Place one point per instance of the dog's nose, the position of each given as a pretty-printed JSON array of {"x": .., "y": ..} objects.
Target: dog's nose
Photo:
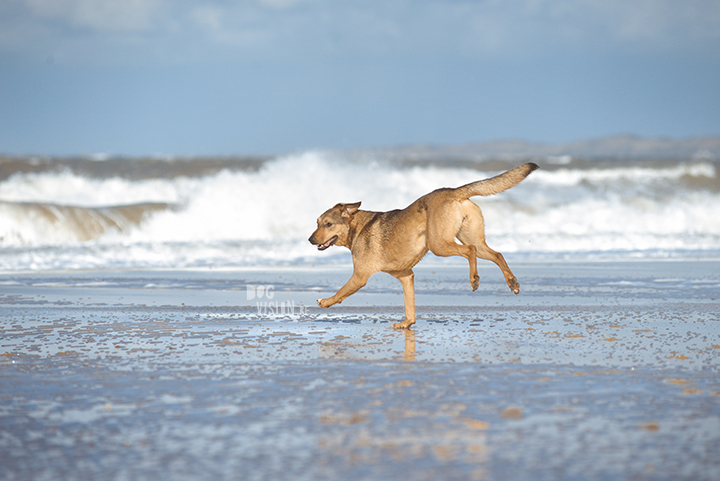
[{"x": 312, "y": 240}]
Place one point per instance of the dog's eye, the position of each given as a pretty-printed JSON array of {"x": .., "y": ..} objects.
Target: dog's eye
[{"x": 328, "y": 224}]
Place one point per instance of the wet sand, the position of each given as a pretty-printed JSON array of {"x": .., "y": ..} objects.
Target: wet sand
[{"x": 607, "y": 370}]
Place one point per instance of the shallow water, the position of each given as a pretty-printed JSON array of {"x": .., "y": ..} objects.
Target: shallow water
[{"x": 596, "y": 371}]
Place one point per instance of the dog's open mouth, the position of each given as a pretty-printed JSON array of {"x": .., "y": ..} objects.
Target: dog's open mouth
[{"x": 324, "y": 246}]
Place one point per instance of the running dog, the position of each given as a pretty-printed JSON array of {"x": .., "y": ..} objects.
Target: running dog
[{"x": 395, "y": 241}]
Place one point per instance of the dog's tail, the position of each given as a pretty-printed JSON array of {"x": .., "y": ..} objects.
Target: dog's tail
[{"x": 496, "y": 184}]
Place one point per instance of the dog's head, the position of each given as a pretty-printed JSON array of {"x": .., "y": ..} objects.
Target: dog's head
[{"x": 334, "y": 226}]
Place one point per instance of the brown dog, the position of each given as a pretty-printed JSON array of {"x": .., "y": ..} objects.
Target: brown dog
[{"x": 395, "y": 241}]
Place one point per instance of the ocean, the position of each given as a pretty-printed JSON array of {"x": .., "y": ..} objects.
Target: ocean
[{"x": 233, "y": 212}]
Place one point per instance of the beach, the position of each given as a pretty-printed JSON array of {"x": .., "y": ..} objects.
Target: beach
[
  {"x": 604, "y": 369},
  {"x": 184, "y": 184},
  {"x": 158, "y": 319}
]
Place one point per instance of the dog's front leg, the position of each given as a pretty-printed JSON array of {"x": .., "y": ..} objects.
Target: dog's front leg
[
  {"x": 407, "y": 279},
  {"x": 350, "y": 288}
]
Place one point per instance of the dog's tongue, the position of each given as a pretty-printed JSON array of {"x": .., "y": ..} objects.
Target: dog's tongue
[{"x": 324, "y": 246}]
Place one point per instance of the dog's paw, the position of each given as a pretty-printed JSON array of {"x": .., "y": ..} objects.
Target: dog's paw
[
  {"x": 475, "y": 282},
  {"x": 324, "y": 303},
  {"x": 403, "y": 325},
  {"x": 514, "y": 286}
]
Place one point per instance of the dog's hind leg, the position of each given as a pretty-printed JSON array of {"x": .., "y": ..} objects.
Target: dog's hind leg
[
  {"x": 472, "y": 232},
  {"x": 442, "y": 228},
  {"x": 406, "y": 278},
  {"x": 469, "y": 252},
  {"x": 484, "y": 252}
]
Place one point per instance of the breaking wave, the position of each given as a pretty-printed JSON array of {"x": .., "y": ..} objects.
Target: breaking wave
[{"x": 96, "y": 214}]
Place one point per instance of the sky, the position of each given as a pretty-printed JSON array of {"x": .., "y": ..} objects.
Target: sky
[{"x": 244, "y": 77}]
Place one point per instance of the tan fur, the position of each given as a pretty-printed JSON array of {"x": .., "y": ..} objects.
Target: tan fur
[{"x": 395, "y": 241}]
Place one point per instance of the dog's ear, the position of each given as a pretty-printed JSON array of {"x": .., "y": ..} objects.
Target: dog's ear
[{"x": 349, "y": 209}]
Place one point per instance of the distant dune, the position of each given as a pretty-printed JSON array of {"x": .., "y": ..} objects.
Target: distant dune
[
  {"x": 614, "y": 146},
  {"x": 504, "y": 150}
]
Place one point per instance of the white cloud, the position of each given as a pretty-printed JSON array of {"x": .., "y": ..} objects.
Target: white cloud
[
  {"x": 659, "y": 23},
  {"x": 100, "y": 15},
  {"x": 201, "y": 29},
  {"x": 497, "y": 27},
  {"x": 279, "y": 3}
]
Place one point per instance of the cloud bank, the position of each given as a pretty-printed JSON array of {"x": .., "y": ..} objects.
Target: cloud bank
[{"x": 190, "y": 31}]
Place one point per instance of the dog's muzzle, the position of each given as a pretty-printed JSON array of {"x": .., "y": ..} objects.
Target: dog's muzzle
[{"x": 322, "y": 247}]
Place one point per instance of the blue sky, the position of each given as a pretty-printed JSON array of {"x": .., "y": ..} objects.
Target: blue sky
[{"x": 180, "y": 77}]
